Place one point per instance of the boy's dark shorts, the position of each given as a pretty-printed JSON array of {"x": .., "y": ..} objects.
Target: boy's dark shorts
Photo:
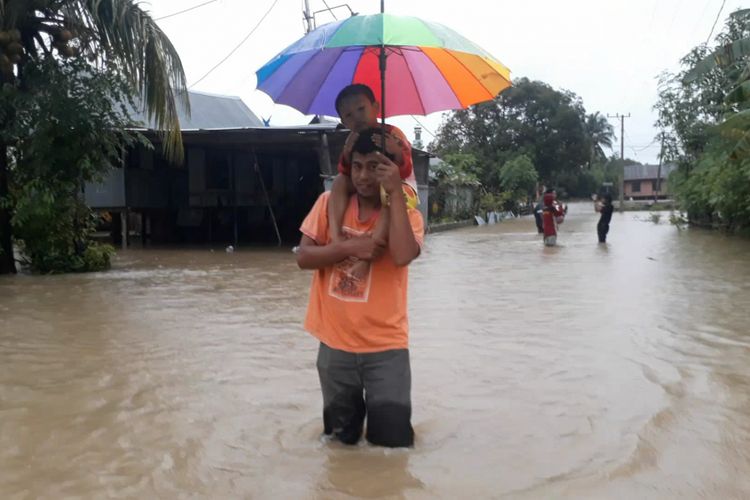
[{"x": 373, "y": 385}]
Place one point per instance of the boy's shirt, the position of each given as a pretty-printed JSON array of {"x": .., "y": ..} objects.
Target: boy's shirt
[
  {"x": 367, "y": 314},
  {"x": 406, "y": 170}
]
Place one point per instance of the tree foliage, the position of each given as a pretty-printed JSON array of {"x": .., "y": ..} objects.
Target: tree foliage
[
  {"x": 704, "y": 112},
  {"x": 66, "y": 132},
  {"x": 550, "y": 127},
  {"x": 115, "y": 42}
]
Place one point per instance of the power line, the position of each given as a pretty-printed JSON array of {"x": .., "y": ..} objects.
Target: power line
[
  {"x": 423, "y": 127},
  {"x": 186, "y": 10},
  {"x": 329, "y": 10},
  {"x": 237, "y": 46},
  {"x": 637, "y": 147},
  {"x": 715, "y": 21}
]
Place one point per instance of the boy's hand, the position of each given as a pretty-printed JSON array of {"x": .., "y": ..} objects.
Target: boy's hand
[
  {"x": 349, "y": 144},
  {"x": 388, "y": 174},
  {"x": 393, "y": 144},
  {"x": 366, "y": 247}
]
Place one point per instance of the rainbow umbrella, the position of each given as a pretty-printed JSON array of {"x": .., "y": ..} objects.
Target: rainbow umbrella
[{"x": 430, "y": 67}]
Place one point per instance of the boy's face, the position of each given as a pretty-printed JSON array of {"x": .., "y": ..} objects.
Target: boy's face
[
  {"x": 363, "y": 174},
  {"x": 357, "y": 113}
]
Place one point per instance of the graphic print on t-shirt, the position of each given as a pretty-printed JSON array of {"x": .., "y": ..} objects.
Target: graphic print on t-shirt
[{"x": 350, "y": 279}]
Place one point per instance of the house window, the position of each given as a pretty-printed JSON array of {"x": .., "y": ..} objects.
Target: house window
[
  {"x": 217, "y": 169},
  {"x": 635, "y": 186}
]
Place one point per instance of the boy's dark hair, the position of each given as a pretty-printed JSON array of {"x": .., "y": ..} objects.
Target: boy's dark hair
[
  {"x": 608, "y": 199},
  {"x": 364, "y": 144},
  {"x": 549, "y": 190},
  {"x": 352, "y": 90}
]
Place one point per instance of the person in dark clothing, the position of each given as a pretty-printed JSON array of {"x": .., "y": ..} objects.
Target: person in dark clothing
[
  {"x": 605, "y": 208},
  {"x": 538, "y": 208}
]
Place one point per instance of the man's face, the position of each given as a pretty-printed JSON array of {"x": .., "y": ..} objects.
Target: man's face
[
  {"x": 357, "y": 113},
  {"x": 363, "y": 174}
]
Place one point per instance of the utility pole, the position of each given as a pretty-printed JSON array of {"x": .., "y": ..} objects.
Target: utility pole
[
  {"x": 658, "y": 172},
  {"x": 308, "y": 17},
  {"x": 418, "y": 138},
  {"x": 622, "y": 156}
]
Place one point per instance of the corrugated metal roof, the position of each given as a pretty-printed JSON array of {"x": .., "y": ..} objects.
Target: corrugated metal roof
[
  {"x": 635, "y": 172},
  {"x": 209, "y": 111}
]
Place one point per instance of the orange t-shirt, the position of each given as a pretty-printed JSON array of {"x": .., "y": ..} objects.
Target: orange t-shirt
[{"x": 365, "y": 313}]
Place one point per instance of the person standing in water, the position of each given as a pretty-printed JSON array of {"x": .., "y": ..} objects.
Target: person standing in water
[
  {"x": 605, "y": 209},
  {"x": 360, "y": 318},
  {"x": 552, "y": 215}
]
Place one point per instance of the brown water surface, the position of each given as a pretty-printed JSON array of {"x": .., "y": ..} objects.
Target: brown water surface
[{"x": 582, "y": 371}]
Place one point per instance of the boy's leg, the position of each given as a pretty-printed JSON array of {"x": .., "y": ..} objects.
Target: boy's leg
[
  {"x": 387, "y": 379},
  {"x": 341, "y": 190},
  {"x": 343, "y": 405}
]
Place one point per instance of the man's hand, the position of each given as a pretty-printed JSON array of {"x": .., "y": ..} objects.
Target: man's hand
[
  {"x": 388, "y": 175},
  {"x": 365, "y": 247}
]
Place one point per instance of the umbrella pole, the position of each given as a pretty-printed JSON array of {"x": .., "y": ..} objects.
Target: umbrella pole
[
  {"x": 383, "y": 195},
  {"x": 382, "y": 75}
]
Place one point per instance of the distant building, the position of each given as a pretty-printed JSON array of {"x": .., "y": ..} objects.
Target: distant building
[{"x": 643, "y": 181}]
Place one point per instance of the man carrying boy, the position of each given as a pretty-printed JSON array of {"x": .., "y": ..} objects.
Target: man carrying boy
[
  {"x": 361, "y": 322},
  {"x": 358, "y": 110}
]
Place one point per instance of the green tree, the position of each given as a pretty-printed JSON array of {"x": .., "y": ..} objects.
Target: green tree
[
  {"x": 71, "y": 135},
  {"x": 518, "y": 177},
  {"x": 456, "y": 169},
  {"x": 600, "y": 135},
  {"x": 704, "y": 111},
  {"x": 530, "y": 118},
  {"x": 113, "y": 34}
]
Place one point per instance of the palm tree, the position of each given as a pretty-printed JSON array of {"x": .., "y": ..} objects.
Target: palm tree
[
  {"x": 116, "y": 34},
  {"x": 600, "y": 135}
]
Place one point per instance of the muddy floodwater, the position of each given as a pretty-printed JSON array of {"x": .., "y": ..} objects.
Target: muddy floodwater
[{"x": 581, "y": 371}]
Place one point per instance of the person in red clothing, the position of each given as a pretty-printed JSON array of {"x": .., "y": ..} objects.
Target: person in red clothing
[
  {"x": 358, "y": 110},
  {"x": 552, "y": 215}
]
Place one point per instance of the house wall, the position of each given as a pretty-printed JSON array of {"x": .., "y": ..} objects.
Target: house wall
[
  {"x": 217, "y": 195},
  {"x": 647, "y": 188}
]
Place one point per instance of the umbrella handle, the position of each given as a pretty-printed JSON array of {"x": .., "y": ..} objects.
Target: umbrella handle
[{"x": 385, "y": 200}]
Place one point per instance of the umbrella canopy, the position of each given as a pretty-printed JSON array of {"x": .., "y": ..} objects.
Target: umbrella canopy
[{"x": 429, "y": 67}]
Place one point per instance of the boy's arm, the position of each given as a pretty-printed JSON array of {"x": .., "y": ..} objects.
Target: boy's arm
[
  {"x": 401, "y": 240},
  {"x": 397, "y": 145},
  {"x": 403, "y": 156},
  {"x": 310, "y": 255},
  {"x": 341, "y": 191}
]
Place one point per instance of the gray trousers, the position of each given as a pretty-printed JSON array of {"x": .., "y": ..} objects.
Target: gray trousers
[{"x": 372, "y": 385}]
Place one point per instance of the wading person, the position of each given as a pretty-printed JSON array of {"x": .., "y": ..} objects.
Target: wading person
[
  {"x": 552, "y": 215},
  {"x": 605, "y": 208},
  {"x": 358, "y": 313}
]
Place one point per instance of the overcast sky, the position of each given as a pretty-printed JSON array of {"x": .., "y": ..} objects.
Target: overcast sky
[{"x": 608, "y": 52}]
